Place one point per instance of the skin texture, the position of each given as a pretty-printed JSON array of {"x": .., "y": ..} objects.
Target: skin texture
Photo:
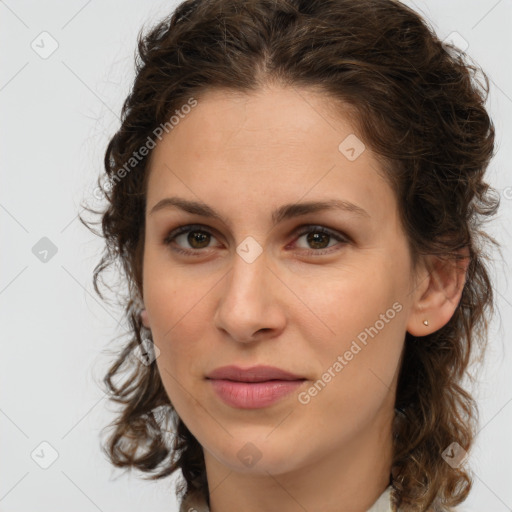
[{"x": 245, "y": 155}]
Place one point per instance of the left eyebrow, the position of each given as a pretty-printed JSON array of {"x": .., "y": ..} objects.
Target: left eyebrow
[{"x": 284, "y": 212}]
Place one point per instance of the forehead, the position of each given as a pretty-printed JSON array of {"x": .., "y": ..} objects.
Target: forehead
[{"x": 275, "y": 146}]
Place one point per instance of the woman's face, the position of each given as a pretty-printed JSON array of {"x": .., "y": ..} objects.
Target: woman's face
[{"x": 255, "y": 287}]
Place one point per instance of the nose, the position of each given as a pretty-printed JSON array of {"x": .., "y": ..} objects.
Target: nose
[{"x": 250, "y": 304}]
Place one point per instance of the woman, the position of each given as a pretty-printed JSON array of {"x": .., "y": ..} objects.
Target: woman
[{"x": 295, "y": 197}]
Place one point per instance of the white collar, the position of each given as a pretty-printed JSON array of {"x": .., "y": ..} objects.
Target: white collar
[{"x": 383, "y": 504}]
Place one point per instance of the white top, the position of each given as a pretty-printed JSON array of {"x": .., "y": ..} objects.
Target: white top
[{"x": 383, "y": 504}]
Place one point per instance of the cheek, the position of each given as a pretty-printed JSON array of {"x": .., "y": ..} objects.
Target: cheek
[
  {"x": 177, "y": 314},
  {"x": 179, "y": 320},
  {"x": 347, "y": 300},
  {"x": 357, "y": 367},
  {"x": 363, "y": 322}
]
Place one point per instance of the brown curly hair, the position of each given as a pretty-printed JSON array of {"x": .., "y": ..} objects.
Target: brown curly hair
[{"x": 419, "y": 104}]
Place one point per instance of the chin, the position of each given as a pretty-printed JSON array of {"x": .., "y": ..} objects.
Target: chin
[{"x": 258, "y": 457}]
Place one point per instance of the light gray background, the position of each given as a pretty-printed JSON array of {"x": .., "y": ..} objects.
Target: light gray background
[{"x": 57, "y": 115}]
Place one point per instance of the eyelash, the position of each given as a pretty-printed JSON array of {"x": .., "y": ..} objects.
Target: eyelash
[{"x": 303, "y": 230}]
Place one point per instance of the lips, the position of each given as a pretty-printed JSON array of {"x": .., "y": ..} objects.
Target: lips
[
  {"x": 253, "y": 374},
  {"x": 254, "y": 387}
]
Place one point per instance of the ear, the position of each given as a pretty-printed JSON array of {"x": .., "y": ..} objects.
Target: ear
[
  {"x": 438, "y": 293},
  {"x": 145, "y": 319}
]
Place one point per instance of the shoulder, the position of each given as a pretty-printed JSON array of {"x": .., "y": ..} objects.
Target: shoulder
[{"x": 193, "y": 503}]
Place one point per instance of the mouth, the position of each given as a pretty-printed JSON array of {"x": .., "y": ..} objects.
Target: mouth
[
  {"x": 254, "y": 387},
  {"x": 257, "y": 381},
  {"x": 253, "y": 374}
]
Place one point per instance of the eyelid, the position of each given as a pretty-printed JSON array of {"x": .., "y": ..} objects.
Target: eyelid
[
  {"x": 185, "y": 228},
  {"x": 306, "y": 228}
]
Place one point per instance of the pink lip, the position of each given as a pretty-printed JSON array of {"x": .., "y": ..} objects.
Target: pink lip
[
  {"x": 259, "y": 373},
  {"x": 253, "y": 395},
  {"x": 252, "y": 388}
]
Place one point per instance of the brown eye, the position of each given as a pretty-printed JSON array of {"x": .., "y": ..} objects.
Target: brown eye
[
  {"x": 196, "y": 237},
  {"x": 318, "y": 239},
  {"x": 201, "y": 238}
]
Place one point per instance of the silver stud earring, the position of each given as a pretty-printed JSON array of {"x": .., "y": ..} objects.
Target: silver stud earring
[{"x": 425, "y": 322}]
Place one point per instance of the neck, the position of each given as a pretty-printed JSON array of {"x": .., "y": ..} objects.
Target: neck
[{"x": 351, "y": 477}]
